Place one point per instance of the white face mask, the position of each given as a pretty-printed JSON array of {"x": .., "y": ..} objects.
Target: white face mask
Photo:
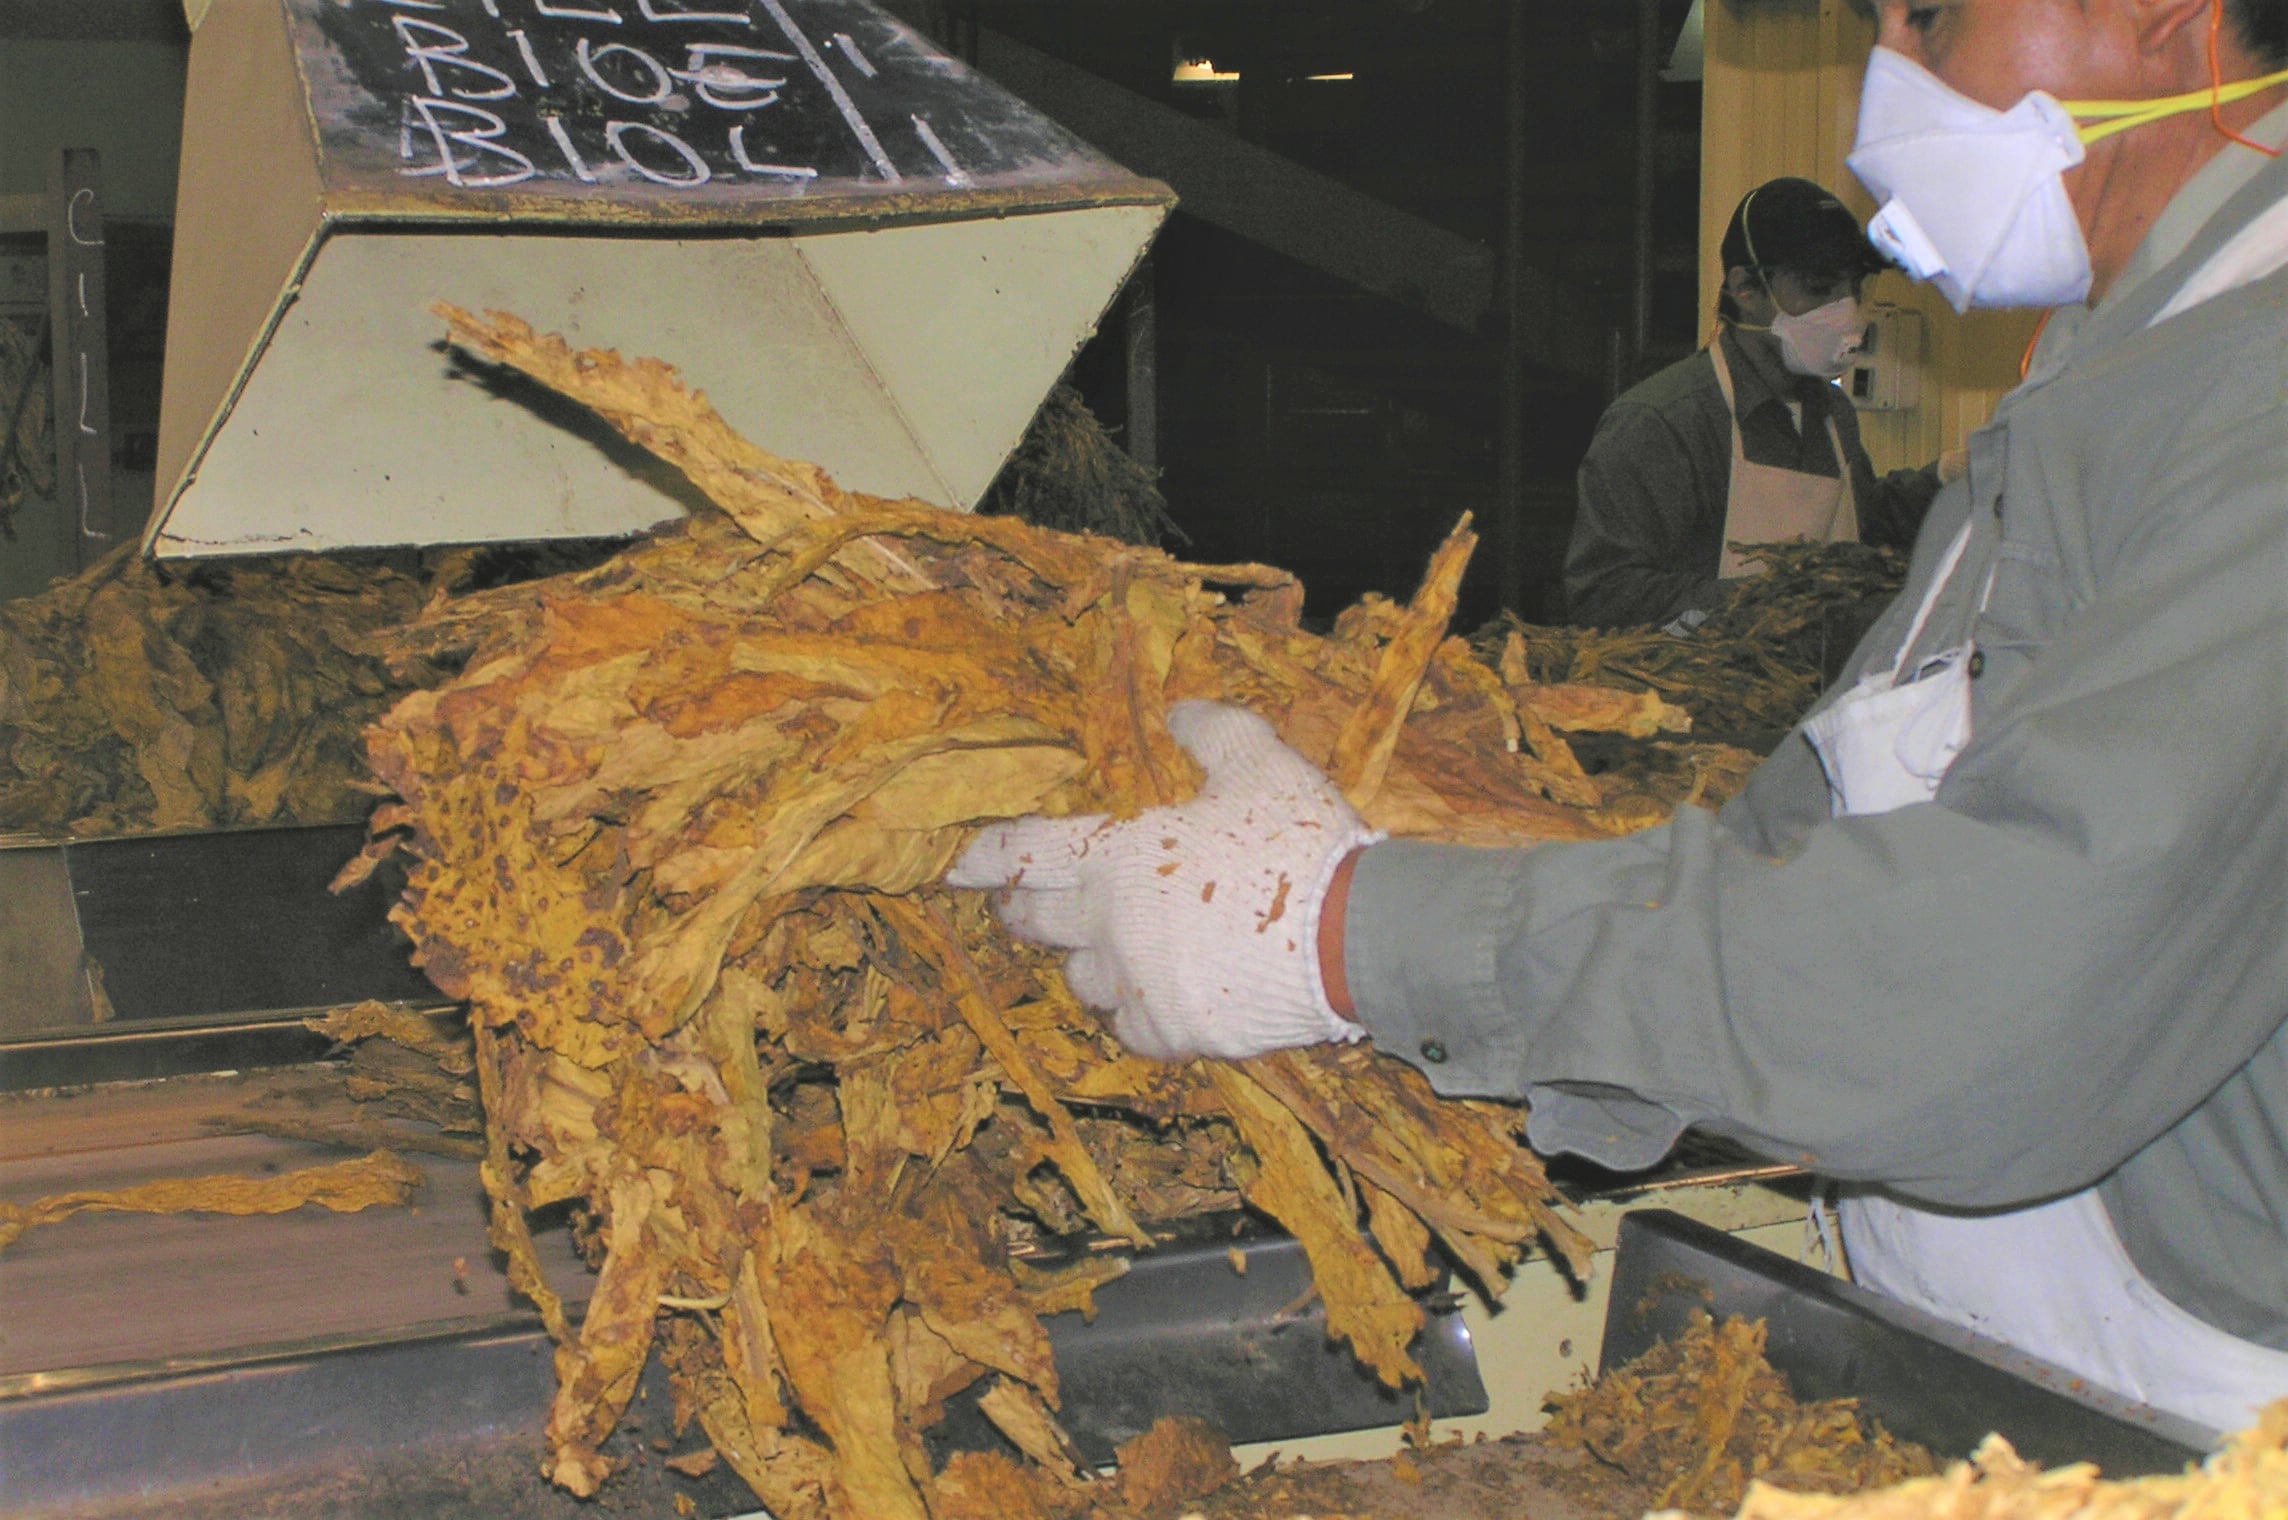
[
  {"x": 1823, "y": 341},
  {"x": 1971, "y": 196}
]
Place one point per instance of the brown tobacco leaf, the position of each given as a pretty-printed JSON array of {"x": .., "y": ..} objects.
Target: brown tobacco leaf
[
  {"x": 138, "y": 696},
  {"x": 1699, "y": 1417},
  {"x": 346, "y": 1187},
  {"x": 674, "y": 832},
  {"x": 1176, "y": 1462},
  {"x": 1364, "y": 1305},
  {"x": 400, "y": 1026},
  {"x": 2247, "y": 1477}
]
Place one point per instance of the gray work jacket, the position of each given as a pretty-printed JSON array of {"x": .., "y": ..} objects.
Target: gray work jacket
[{"x": 2072, "y": 965}]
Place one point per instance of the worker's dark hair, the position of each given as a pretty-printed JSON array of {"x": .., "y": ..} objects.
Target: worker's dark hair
[
  {"x": 2263, "y": 28},
  {"x": 1795, "y": 225}
]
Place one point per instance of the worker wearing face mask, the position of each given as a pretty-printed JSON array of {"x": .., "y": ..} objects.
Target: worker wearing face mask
[
  {"x": 1999, "y": 939},
  {"x": 1747, "y": 441}
]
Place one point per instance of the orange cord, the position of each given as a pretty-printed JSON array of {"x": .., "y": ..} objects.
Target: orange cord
[
  {"x": 2216, "y": 105},
  {"x": 2026, "y": 360}
]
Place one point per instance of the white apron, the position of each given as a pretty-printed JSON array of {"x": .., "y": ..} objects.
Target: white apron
[
  {"x": 2053, "y": 1280},
  {"x": 1764, "y": 504}
]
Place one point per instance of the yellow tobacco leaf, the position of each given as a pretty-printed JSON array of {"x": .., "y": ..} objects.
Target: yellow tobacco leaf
[
  {"x": 1364, "y": 1305},
  {"x": 1580, "y": 709},
  {"x": 1363, "y": 750},
  {"x": 596, "y": 1375},
  {"x": 1072, "y": 1158},
  {"x": 829, "y": 1295},
  {"x": 1018, "y": 1413},
  {"x": 953, "y": 1273},
  {"x": 346, "y": 1187},
  {"x": 402, "y": 1026},
  {"x": 1404, "y": 1239}
]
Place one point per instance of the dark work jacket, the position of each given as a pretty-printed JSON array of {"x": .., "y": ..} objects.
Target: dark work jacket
[{"x": 1653, "y": 489}]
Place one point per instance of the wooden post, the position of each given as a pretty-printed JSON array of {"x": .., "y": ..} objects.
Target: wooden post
[
  {"x": 79, "y": 338},
  {"x": 1143, "y": 344}
]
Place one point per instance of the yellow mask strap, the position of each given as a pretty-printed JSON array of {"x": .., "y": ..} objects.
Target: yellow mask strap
[{"x": 2112, "y": 116}]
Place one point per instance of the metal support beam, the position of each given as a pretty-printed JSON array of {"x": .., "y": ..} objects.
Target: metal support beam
[
  {"x": 1143, "y": 344},
  {"x": 1315, "y": 220}
]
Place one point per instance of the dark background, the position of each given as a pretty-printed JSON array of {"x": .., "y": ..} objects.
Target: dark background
[{"x": 1304, "y": 420}]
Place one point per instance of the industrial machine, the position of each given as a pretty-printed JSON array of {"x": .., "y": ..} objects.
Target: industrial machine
[{"x": 868, "y": 256}]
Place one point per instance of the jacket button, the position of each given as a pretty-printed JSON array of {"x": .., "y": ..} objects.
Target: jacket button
[
  {"x": 1977, "y": 663},
  {"x": 1433, "y": 1052}
]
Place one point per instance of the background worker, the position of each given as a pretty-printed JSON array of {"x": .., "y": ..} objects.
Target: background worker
[
  {"x": 1748, "y": 440},
  {"x": 2002, "y": 939}
]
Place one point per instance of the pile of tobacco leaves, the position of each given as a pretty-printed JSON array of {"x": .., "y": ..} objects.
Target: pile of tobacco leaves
[
  {"x": 1753, "y": 668},
  {"x": 27, "y": 436},
  {"x": 1687, "y": 1427},
  {"x": 2246, "y": 1479},
  {"x": 1699, "y": 1418},
  {"x": 1068, "y": 472},
  {"x": 676, "y": 831},
  {"x": 138, "y": 697}
]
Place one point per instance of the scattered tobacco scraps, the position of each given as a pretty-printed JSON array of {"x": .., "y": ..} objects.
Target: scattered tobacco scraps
[
  {"x": 676, "y": 832},
  {"x": 378, "y": 1180},
  {"x": 2247, "y": 1479},
  {"x": 1699, "y": 1418}
]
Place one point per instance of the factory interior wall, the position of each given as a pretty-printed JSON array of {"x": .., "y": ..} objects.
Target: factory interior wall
[
  {"x": 100, "y": 95},
  {"x": 124, "y": 98},
  {"x": 1781, "y": 96}
]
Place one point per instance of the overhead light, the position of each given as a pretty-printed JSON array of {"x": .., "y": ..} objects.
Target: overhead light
[
  {"x": 1330, "y": 78},
  {"x": 1203, "y": 71}
]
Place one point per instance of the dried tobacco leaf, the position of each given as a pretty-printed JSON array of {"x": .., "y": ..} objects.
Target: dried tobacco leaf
[
  {"x": 1751, "y": 670},
  {"x": 1700, "y": 1417},
  {"x": 2246, "y": 1479},
  {"x": 676, "y": 829},
  {"x": 136, "y": 696},
  {"x": 346, "y": 1187}
]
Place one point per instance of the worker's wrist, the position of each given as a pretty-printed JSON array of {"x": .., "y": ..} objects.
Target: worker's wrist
[{"x": 1333, "y": 909}]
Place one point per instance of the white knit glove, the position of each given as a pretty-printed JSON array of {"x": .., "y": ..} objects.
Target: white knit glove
[{"x": 1198, "y": 924}]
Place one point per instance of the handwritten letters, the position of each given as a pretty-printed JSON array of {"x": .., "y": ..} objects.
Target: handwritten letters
[{"x": 677, "y": 94}]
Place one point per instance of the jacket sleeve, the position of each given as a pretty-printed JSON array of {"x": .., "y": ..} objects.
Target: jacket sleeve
[
  {"x": 1632, "y": 558},
  {"x": 1987, "y": 999},
  {"x": 1892, "y": 505},
  {"x": 1897, "y": 503}
]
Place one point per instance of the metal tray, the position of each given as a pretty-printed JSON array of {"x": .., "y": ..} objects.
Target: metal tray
[
  {"x": 1925, "y": 1379},
  {"x": 445, "y": 1424}
]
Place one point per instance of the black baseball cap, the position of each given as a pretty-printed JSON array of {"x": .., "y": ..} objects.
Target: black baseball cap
[{"x": 1794, "y": 224}]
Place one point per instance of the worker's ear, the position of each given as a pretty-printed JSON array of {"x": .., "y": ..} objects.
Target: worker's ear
[
  {"x": 1740, "y": 281},
  {"x": 2162, "y": 25}
]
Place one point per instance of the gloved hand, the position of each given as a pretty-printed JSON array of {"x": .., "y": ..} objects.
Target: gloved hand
[{"x": 1196, "y": 925}]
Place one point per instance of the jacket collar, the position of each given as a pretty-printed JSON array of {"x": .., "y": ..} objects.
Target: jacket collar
[{"x": 1758, "y": 377}]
